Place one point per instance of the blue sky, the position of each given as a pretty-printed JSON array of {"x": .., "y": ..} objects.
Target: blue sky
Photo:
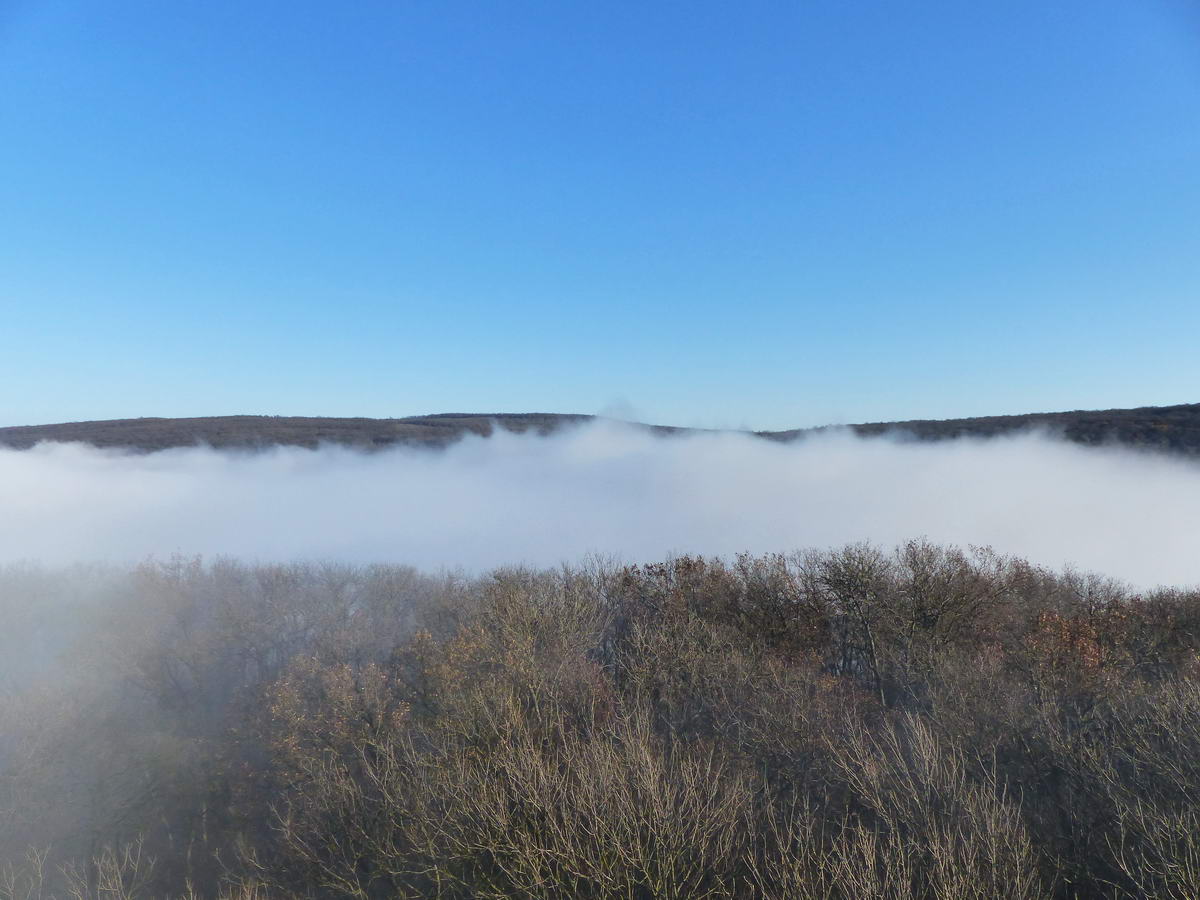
[{"x": 754, "y": 214}]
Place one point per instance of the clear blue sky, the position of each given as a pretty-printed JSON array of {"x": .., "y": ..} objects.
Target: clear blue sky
[{"x": 762, "y": 214}]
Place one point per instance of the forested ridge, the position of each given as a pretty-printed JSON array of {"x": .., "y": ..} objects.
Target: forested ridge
[{"x": 1173, "y": 429}]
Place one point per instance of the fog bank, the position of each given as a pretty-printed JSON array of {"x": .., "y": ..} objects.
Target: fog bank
[{"x": 607, "y": 489}]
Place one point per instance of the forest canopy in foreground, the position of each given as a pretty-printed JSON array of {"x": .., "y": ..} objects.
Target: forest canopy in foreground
[{"x": 923, "y": 722}]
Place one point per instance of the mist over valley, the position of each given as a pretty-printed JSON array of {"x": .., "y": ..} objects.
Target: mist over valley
[{"x": 559, "y": 490}]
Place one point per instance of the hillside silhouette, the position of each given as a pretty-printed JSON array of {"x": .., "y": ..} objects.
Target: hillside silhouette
[{"x": 1174, "y": 429}]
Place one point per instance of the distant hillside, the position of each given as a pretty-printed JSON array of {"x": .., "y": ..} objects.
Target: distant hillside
[
  {"x": 1174, "y": 429},
  {"x": 250, "y": 432}
]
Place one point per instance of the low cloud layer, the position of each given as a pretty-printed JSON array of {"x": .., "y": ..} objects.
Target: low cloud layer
[{"x": 606, "y": 489}]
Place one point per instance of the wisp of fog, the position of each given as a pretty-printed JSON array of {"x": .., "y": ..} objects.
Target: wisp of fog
[{"x": 606, "y": 489}]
